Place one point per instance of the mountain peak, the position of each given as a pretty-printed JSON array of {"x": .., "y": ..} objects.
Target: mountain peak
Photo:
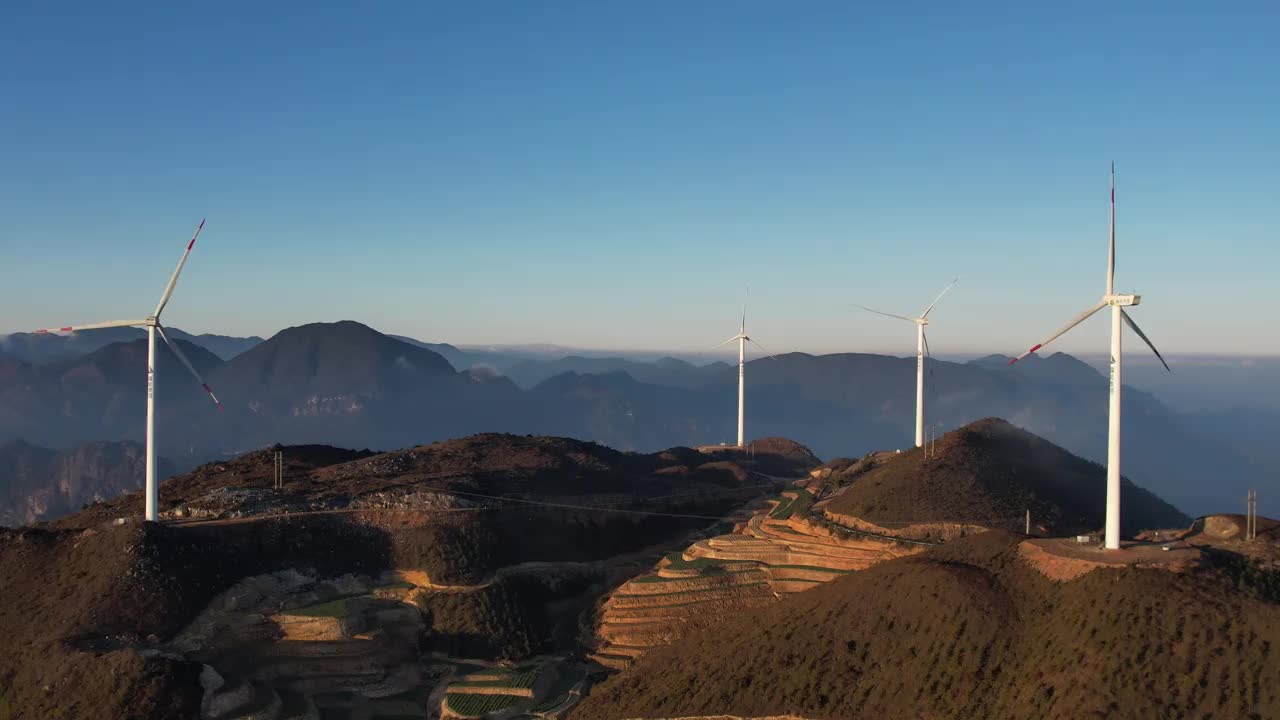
[
  {"x": 327, "y": 362},
  {"x": 992, "y": 472}
]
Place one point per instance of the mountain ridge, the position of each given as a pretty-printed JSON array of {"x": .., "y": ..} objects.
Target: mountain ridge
[
  {"x": 340, "y": 383},
  {"x": 989, "y": 472},
  {"x": 42, "y": 347}
]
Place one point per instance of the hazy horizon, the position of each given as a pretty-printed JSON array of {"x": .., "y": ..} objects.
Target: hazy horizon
[
  {"x": 1200, "y": 382},
  {"x": 553, "y": 347}
]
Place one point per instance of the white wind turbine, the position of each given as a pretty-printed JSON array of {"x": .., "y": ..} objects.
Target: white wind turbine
[
  {"x": 922, "y": 349},
  {"x": 742, "y": 339},
  {"x": 152, "y": 324},
  {"x": 1117, "y": 302}
]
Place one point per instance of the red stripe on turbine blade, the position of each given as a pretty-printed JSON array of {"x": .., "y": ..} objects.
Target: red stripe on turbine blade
[
  {"x": 65, "y": 329},
  {"x": 212, "y": 396},
  {"x": 193, "y": 237},
  {"x": 1037, "y": 347},
  {"x": 41, "y": 332}
]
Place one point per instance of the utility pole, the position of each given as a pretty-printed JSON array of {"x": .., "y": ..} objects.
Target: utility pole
[
  {"x": 1251, "y": 516},
  {"x": 278, "y": 479},
  {"x": 1028, "y": 531}
]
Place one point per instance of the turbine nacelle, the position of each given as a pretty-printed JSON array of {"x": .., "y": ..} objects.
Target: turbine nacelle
[{"x": 1117, "y": 300}]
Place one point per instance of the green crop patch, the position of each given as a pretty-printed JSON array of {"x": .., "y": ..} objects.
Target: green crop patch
[
  {"x": 332, "y": 609},
  {"x": 788, "y": 507},
  {"x": 472, "y": 705},
  {"x": 520, "y": 677}
]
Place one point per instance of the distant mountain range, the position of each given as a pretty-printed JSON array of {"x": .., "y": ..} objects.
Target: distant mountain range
[
  {"x": 41, "y": 348},
  {"x": 346, "y": 384}
]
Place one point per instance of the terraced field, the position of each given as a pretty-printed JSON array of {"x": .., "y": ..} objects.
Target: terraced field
[
  {"x": 287, "y": 646},
  {"x": 546, "y": 687},
  {"x": 777, "y": 551}
]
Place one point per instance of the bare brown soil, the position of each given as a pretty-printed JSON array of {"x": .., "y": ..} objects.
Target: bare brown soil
[
  {"x": 970, "y": 630},
  {"x": 1227, "y": 533},
  {"x": 1064, "y": 559}
]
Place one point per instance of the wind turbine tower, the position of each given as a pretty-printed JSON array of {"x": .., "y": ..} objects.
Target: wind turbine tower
[
  {"x": 743, "y": 339},
  {"x": 1117, "y": 302},
  {"x": 922, "y": 350},
  {"x": 153, "y": 326}
]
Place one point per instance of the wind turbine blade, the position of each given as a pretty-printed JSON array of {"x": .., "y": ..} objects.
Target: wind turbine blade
[
  {"x": 746, "y": 296},
  {"x": 762, "y": 348},
  {"x": 1076, "y": 321},
  {"x": 945, "y": 290},
  {"x": 178, "y": 351},
  {"x": 928, "y": 356},
  {"x": 173, "y": 279},
  {"x": 864, "y": 307},
  {"x": 1111, "y": 254},
  {"x": 1134, "y": 327},
  {"x": 93, "y": 326},
  {"x": 726, "y": 342}
]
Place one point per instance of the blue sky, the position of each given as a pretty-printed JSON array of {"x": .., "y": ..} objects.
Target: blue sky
[{"x": 610, "y": 175}]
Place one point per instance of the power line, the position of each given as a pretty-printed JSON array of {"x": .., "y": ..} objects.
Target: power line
[{"x": 1251, "y": 515}]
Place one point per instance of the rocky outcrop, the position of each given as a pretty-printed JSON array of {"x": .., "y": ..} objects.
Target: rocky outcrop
[{"x": 39, "y": 484}]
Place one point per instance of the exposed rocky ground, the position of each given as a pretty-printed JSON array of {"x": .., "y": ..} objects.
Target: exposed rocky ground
[{"x": 369, "y": 586}]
